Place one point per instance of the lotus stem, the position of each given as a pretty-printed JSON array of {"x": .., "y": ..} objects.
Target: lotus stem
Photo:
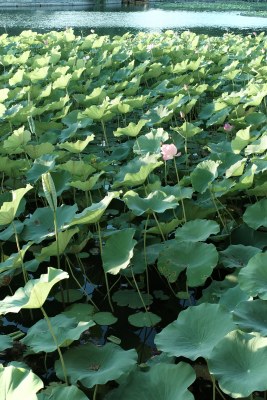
[
  {"x": 158, "y": 224},
  {"x": 56, "y": 343},
  {"x": 217, "y": 209},
  {"x": 105, "y": 274},
  {"x": 105, "y": 135},
  {"x": 138, "y": 290},
  {"x": 95, "y": 392},
  {"x": 145, "y": 257},
  {"x": 178, "y": 180}
]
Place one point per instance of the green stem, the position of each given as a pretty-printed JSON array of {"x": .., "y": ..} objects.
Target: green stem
[
  {"x": 138, "y": 290},
  {"x": 145, "y": 256},
  {"x": 217, "y": 209},
  {"x": 56, "y": 343},
  {"x": 95, "y": 392},
  {"x": 158, "y": 224},
  {"x": 213, "y": 388},
  {"x": 165, "y": 172},
  {"x": 105, "y": 135},
  {"x": 105, "y": 274},
  {"x": 178, "y": 180},
  {"x": 58, "y": 258}
]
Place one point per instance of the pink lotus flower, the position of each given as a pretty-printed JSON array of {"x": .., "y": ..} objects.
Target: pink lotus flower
[
  {"x": 227, "y": 127},
  {"x": 169, "y": 151}
]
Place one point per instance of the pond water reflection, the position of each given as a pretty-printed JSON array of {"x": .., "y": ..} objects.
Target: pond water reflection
[{"x": 120, "y": 19}]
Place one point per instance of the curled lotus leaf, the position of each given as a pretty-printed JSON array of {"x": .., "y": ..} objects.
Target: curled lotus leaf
[
  {"x": 253, "y": 278},
  {"x": 157, "y": 201}
]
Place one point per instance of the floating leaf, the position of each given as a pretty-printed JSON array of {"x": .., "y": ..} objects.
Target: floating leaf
[
  {"x": 96, "y": 365},
  {"x": 141, "y": 319},
  {"x": 131, "y": 298},
  {"x": 104, "y": 318},
  {"x": 195, "y": 332},
  {"x": 238, "y": 363},
  {"x": 34, "y": 293}
]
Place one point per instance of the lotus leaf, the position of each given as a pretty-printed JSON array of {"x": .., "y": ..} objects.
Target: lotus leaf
[
  {"x": 156, "y": 201},
  {"x": 204, "y": 174},
  {"x": 136, "y": 171},
  {"x": 188, "y": 130},
  {"x": 197, "y": 258},
  {"x": 34, "y": 293},
  {"x": 250, "y": 316},
  {"x": 6, "y": 342},
  {"x": 131, "y": 298},
  {"x": 238, "y": 362},
  {"x": 9, "y": 209},
  {"x": 80, "y": 311},
  {"x": 76, "y": 147},
  {"x": 256, "y": 214},
  {"x": 141, "y": 319},
  {"x": 131, "y": 130},
  {"x": 41, "y": 165},
  {"x": 161, "y": 382},
  {"x": 232, "y": 297},
  {"x": 65, "y": 329},
  {"x": 237, "y": 255},
  {"x": 195, "y": 332},
  {"x": 104, "y": 318},
  {"x": 57, "y": 247},
  {"x": 96, "y": 365},
  {"x": 61, "y": 392},
  {"x": 253, "y": 278},
  {"x": 197, "y": 230},
  {"x": 15, "y": 381},
  {"x": 92, "y": 214},
  {"x": 151, "y": 142},
  {"x": 16, "y": 142}
]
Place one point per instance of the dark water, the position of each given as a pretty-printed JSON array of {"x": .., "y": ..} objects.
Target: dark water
[{"x": 116, "y": 20}]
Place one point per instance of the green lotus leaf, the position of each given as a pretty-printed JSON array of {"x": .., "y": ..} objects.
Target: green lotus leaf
[
  {"x": 41, "y": 165},
  {"x": 76, "y": 147},
  {"x": 16, "y": 142},
  {"x": 69, "y": 295},
  {"x": 237, "y": 255},
  {"x": 77, "y": 168},
  {"x": 195, "y": 332},
  {"x": 37, "y": 150},
  {"x": 197, "y": 230},
  {"x": 9, "y": 209},
  {"x": 131, "y": 130},
  {"x": 162, "y": 382},
  {"x": 178, "y": 191},
  {"x": 151, "y": 142},
  {"x": 62, "y": 393},
  {"x": 253, "y": 278},
  {"x": 256, "y": 215},
  {"x": 58, "y": 246},
  {"x": 96, "y": 112},
  {"x": 17, "y": 77},
  {"x": 156, "y": 201},
  {"x": 250, "y": 316},
  {"x": 61, "y": 82},
  {"x": 158, "y": 115},
  {"x": 144, "y": 319},
  {"x": 197, "y": 258},
  {"x": 34, "y": 293},
  {"x": 130, "y": 298},
  {"x": 65, "y": 329},
  {"x": 219, "y": 117},
  {"x": 238, "y": 363},
  {"x": 6, "y": 342},
  {"x": 257, "y": 147},
  {"x": 15, "y": 382},
  {"x": 7, "y": 233},
  {"x": 232, "y": 297},
  {"x": 15, "y": 260},
  {"x": 241, "y": 140},
  {"x": 92, "y": 214},
  {"x": 187, "y": 130},
  {"x": 164, "y": 227},
  {"x": 136, "y": 171},
  {"x": 38, "y": 74},
  {"x": 80, "y": 311},
  {"x": 96, "y": 365},
  {"x": 204, "y": 174},
  {"x": 104, "y": 318},
  {"x": 87, "y": 185},
  {"x": 41, "y": 224},
  {"x": 118, "y": 250}
]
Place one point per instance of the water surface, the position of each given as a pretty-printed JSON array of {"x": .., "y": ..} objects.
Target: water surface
[{"x": 120, "y": 19}]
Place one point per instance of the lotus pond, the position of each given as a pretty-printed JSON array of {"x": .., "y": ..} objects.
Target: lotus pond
[{"x": 133, "y": 216}]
